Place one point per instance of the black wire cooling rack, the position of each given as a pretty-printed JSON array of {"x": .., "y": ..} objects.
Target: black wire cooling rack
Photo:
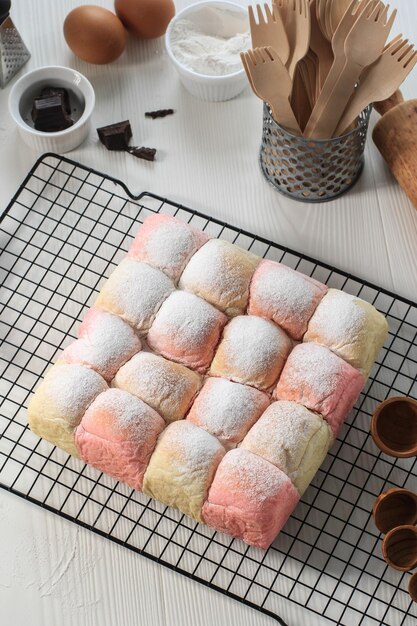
[{"x": 62, "y": 234}]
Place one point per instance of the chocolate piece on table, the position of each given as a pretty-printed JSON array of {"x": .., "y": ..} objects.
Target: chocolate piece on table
[
  {"x": 143, "y": 153},
  {"x": 58, "y": 91},
  {"x": 160, "y": 113},
  {"x": 116, "y": 136},
  {"x": 49, "y": 115}
]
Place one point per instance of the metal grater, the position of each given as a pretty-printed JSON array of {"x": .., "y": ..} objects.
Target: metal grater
[{"x": 13, "y": 52}]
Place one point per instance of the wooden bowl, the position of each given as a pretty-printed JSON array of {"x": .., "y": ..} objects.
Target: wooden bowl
[
  {"x": 394, "y": 427},
  {"x": 399, "y": 548},
  {"x": 395, "y": 507},
  {"x": 412, "y": 587}
]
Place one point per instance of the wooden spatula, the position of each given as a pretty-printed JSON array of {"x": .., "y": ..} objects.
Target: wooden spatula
[
  {"x": 271, "y": 82},
  {"x": 395, "y": 136},
  {"x": 380, "y": 79}
]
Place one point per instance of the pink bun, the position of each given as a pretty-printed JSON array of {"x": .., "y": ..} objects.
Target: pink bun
[
  {"x": 250, "y": 498},
  {"x": 135, "y": 291},
  {"x": 227, "y": 410},
  {"x": 187, "y": 330},
  {"x": 118, "y": 434},
  {"x": 285, "y": 296},
  {"x": 167, "y": 244},
  {"x": 105, "y": 343},
  {"x": 321, "y": 381},
  {"x": 253, "y": 351},
  {"x": 220, "y": 272}
]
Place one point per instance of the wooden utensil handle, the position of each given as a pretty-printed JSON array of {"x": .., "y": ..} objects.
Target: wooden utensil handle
[
  {"x": 330, "y": 114},
  {"x": 325, "y": 95},
  {"x": 386, "y": 105},
  {"x": 395, "y": 137}
]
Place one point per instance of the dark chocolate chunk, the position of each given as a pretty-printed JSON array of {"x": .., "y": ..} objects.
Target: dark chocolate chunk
[
  {"x": 143, "y": 153},
  {"x": 58, "y": 91},
  {"x": 48, "y": 114},
  {"x": 160, "y": 113},
  {"x": 116, "y": 136}
]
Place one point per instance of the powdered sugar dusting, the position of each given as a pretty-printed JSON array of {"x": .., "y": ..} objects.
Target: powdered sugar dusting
[
  {"x": 320, "y": 380},
  {"x": 187, "y": 329},
  {"x": 312, "y": 367},
  {"x": 338, "y": 318},
  {"x": 220, "y": 272},
  {"x": 166, "y": 243},
  {"x": 227, "y": 410},
  {"x": 349, "y": 326},
  {"x": 282, "y": 435},
  {"x": 182, "y": 467},
  {"x": 135, "y": 291},
  {"x": 193, "y": 446},
  {"x": 72, "y": 388},
  {"x": 126, "y": 415},
  {"x": 248, "y": 473},
  {"x": 285, "y": 296},
  {"x": 167, "y": 387},
  {"x": 253, "y": 351},
  {"x": 106, "y": 342}
]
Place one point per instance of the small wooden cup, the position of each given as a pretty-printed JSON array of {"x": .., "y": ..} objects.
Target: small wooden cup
[
  {"x": 399, "y": 548},
  {"x": 395, "y": 507},
  {"x": 394, "y": 427},
  {"x": 412, "y": 587}
]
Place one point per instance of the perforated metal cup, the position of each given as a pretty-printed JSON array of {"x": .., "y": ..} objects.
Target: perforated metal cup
[{"x": 312, "y": 170}]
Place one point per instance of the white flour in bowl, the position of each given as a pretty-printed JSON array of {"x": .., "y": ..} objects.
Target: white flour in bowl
[{"x": 197, "y": 46}]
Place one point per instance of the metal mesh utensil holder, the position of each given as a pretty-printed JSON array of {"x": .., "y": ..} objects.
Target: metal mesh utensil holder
[
  {"x": 312, "y": 170},
  {"x": 63, "y": 233}
]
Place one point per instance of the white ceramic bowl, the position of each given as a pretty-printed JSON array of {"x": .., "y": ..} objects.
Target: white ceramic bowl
[
  {"x": 212, "y": 88},
  {"x": 82, "y": 100}
]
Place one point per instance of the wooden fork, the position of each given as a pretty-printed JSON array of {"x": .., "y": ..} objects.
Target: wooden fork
[
  {"x": 336, "y": 12},
  {"x": 269, "y": 30},
  {"x": 364, "y": 45},
  {"x": 320, "y": 46},
  {"x": 321, "y": 8},
  {"x": 380, "y": 80},
  {"x": 271, "y": 82},
  {"x": 297, "y": 25},
  {"x": 356, "y": 10}
]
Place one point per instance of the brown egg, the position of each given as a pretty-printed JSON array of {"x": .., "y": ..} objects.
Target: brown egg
[
  {"x": 94, "y": 34},
  {"x": 145, "y": 19}
]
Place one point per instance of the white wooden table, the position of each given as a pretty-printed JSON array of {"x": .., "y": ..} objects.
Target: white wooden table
[{"x": 52, "y": 572}]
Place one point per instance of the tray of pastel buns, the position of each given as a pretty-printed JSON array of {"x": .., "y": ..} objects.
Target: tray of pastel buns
[{"x": 210, "y": 379}]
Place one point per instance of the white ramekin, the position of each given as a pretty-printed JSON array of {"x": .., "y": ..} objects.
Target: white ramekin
[
  {"x": 30, "y": 85},
  {"x": 211, "y": 88}
]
